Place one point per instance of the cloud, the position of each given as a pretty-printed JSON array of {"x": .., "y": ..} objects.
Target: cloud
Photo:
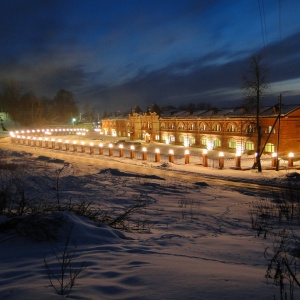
[{"x": 114, "y": 54}]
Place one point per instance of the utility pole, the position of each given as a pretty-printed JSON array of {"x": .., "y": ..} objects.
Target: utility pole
[{"x": 278, "y": 133}]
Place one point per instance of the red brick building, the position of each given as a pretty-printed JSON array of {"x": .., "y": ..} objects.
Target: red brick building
[{"x": 221, "y": 129}]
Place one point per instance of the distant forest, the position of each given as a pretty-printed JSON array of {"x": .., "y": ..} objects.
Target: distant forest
[{"x": 29, "y": 110}]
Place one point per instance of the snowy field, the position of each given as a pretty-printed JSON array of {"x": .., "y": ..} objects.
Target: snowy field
[{"x": 190, "y": 238}]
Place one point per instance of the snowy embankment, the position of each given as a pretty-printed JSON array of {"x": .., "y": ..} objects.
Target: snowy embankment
[{"x": 189, "y": 240}]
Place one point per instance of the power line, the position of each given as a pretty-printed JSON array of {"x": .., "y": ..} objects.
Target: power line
[{"x": 263, "y": 24}]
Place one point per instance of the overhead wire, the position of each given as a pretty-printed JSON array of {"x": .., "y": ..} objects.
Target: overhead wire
[{"x": 263, "y": 25}]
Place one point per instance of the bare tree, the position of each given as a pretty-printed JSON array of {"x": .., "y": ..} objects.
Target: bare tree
[{"x": 254, "y": 86}]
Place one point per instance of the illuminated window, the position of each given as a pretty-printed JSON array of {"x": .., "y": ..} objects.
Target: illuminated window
[
  {"x": 181, "y": 126},
  {"x": 204, "y": 141},
  {"x": 231, "y": 128},
  {"x": 270, "y": 148},
  {"x": 232, "y": 144},
  {"x": 217, "y": 143},
  {"x": 249, "y": 145},
  {"x": 217, "y": 127},
  {"x": 269, "y": 129},
  {"x": 203, "y": 126}
]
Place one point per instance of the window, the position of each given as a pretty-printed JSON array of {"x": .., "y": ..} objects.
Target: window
[
  {"x": 249, "y": 128},
  {"x": 217, "y": 127},
  {"x": 181, "y": 139},
  {"x": 192, "y": 140},
  {"x": 217, "y": 143},
  {"x": 204, "y": 141},
  {"x": 270, "y": 148},
  {"x": 163, "y": 126},
  {"x": 232, "y": 144},
  {"x": 172, "y": 126},
  {"x": 249, "y": 145},
  {"x": 203, "y": 126},
  {"x": 192, "y": 126},
  {"x": 231, "y": 128},
  {"x": 269, "y": 129},
  {"x": 181, "y": 126}
]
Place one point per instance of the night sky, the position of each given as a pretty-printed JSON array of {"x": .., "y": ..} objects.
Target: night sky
[{"x": 116, "y": 54}]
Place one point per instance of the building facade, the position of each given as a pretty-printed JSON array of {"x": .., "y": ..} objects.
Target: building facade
[{"x": 220, "y": 129}]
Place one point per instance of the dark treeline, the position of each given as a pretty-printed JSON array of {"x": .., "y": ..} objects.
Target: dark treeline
[{"x": 29, "y": 110}]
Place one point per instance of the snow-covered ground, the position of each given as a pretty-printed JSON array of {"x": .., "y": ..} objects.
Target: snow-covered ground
[{"x": 192, "y": 239}]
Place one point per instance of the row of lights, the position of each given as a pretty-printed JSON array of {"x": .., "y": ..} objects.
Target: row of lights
[
  {"x": 79, "y": 131},
  {"x": 39, "y": 142}
]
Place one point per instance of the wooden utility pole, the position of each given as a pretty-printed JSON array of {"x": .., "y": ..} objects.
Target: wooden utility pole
[{"x": 278, "y": 133}]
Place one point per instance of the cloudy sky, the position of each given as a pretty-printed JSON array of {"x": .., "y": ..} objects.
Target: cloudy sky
[{"x": 115, "y": 54}]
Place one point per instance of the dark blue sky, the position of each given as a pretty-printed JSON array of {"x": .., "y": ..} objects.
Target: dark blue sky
[{"x": 115, "y": 54}]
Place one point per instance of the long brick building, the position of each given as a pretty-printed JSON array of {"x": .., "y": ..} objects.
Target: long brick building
[{"x": 220, "y": 129}]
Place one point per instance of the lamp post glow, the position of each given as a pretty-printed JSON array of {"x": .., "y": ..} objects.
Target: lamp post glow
[
  {"x": 100, "y": 149},
  {"x": 274, "y": 159},
  {"x": 144, "y": 151},
  {"x": 46, "y": 142},
  {"x": 221, "y": 160},
  {"x": 255, "y": 158},
  {"x": 59, "y": 144},
  {"x": 291, "y": 160},
  {"x": 132, "y": 152},
  {"x": 82, "y": 147},
  {"x": 121, "y": 150},
  {"x": 74, "y": 146},
  {"x": 91, "y": 148},
  {"x": 53, "y": 143},
  {"x": 157, "y": 155},
  {"x": 110, "y": 149},
  {"x": 238, "y": 160},
  {"x": 204, "y": 158},
  {"x": 186, "y": 157},
  {"x": 171, "y": 156},
  {"x": 67, "y": 145}
]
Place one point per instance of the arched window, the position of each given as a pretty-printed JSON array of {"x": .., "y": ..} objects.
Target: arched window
[
  {"x": 172, "y": 126},
  {"x": 163, "y": 125},
  {"x": 216, "y": 127},
  {"x": 192, "y": 126},
  {"x": 192, "y": 140},
  {"x": 232, "y": 144},
  {"x": 249, "y": 128},
  {"x": 269, "y": 129},
  {"x": 203, "y": 126},
  {"x": 217, "y": 143},
  {"x": 231, "y": 127},
  {"x": 181, "y": 139},
  {"x": 181, "y": 126},
  {"x": 270, "y": 148},
  {"x": 249, "y": 145},
  {"x": 204, "y": 141},
  {"x": 172, "y": 138}
]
